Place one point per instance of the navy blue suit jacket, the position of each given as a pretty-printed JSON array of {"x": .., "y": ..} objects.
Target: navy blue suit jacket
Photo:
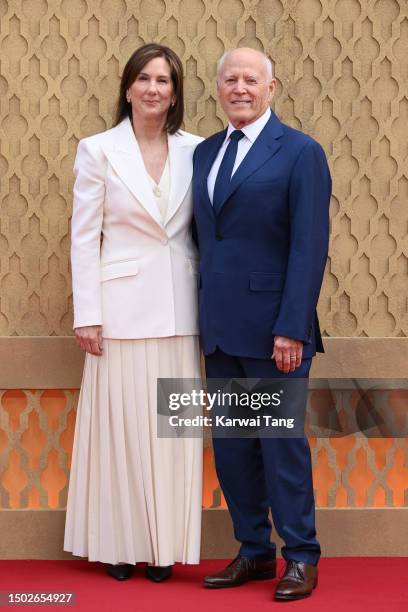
[{"x": 262, "y": 257}]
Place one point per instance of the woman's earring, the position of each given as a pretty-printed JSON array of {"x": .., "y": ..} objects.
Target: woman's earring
[{"x": 127, "y": 97}]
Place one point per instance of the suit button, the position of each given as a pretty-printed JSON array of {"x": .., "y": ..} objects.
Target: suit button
[
  {"x": 164, "y": 241},
  {"x": 218, "y": 237}
]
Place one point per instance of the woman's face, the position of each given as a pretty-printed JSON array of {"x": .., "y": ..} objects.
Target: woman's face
[{"x": 152, "y": 94}]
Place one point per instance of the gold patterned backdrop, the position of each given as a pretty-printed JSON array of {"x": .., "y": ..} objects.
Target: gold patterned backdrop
[{"x": 342, "y": 69}]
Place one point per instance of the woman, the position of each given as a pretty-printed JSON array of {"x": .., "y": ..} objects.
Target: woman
[{"x": 134, "y": 497}]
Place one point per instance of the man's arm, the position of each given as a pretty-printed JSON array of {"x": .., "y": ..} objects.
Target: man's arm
[{"x": 309, "y": 199}]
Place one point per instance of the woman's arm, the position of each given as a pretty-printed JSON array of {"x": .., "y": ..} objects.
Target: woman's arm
[{"x": 86, "y": 228}]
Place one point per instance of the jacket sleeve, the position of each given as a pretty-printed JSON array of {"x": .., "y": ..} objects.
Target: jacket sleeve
[
  {"x": 309, "y": 199},
  {"x": 194, "y": 233},
  {"x": 86, "y": 228}
]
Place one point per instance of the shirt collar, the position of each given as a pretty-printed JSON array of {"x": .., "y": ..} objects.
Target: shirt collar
[{"x": 252, "y": 130}]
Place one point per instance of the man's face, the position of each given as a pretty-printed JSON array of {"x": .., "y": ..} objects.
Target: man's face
[{"x": 243, "y": 88}]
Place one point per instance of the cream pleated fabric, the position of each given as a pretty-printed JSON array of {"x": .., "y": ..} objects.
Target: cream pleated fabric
[{"x": 132, "y": 496}]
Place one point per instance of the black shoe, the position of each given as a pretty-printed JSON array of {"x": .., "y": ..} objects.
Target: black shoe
[
  {"x": 122, "y": 571},
  {"x": 158, "y": 574}
]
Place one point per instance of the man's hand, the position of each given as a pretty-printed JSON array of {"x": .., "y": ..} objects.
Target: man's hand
[
  {"x": 89, "y": 339},
  {"x": 287, "y": 353}
]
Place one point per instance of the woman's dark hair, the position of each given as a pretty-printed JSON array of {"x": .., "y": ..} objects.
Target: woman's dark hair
[{"x": 135, "y": 65}]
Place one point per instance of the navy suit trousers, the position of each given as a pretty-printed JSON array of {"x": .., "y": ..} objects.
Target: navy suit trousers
[{"x": 258, "y": 475}]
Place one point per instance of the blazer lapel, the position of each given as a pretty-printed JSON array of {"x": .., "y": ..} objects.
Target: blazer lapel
[
  {"x": 125, "y": 157},
  {"x": 181, "y": 172},
  {"x": 265, "y": 146},
  {"x": 207, "y": 165}
]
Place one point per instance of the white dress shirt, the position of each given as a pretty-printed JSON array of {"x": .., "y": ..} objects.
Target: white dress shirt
[{"x": 251, "y": 133}]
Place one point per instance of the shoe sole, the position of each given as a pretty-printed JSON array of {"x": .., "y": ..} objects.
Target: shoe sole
[
  {"x": 294, "y": 597},
  {"x": 157, "y": 580},
  {"x": 265, "y": 576},
  {"x": 120, "y": 578},
  {"x": 291, "y": 597}
]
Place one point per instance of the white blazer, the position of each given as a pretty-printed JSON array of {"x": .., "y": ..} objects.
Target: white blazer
[{"x": 132, "y": 273}]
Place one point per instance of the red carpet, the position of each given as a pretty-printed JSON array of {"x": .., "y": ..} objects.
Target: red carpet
[{"x": 352, "y": 585}]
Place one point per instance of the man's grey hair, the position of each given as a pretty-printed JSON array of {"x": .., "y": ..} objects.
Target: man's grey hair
[{"x": 268, "y": 63}]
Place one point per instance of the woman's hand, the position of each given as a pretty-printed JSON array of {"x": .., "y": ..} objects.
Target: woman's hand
[{"x": 89, "y": 339}]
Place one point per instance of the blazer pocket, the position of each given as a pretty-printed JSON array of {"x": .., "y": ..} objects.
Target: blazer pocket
[
  {"x": 266, "y": 281},
  {"x": 119, "y": 269}
]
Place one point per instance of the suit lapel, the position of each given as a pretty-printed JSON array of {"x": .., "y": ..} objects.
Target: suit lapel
[
  {"x": 181, "y": 171},
  {"x": 125, "y": 157},
  {"x": 207, "y": 165},
  {"x": 265, "y": 146}
]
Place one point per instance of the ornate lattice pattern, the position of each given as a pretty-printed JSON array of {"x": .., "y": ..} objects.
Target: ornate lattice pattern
[
  {"x": 36, "y": 433},
  {"x": 342, "y": 67}
]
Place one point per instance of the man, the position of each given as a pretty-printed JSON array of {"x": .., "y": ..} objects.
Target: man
[{"x": 261, "y": 201}]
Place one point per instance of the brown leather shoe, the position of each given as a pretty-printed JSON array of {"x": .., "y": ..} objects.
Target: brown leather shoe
[
  {"x": 298, "y": 581},
  {"x": 241, "y": 570}
]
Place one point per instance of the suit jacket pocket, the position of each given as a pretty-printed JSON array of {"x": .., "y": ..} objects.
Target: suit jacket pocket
[
  {"x": 119, "y": 269},
  {"x": 266, "y": 281}
]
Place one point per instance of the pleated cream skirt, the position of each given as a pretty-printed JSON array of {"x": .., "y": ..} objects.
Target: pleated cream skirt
[{"x": 132, "y": 496}]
